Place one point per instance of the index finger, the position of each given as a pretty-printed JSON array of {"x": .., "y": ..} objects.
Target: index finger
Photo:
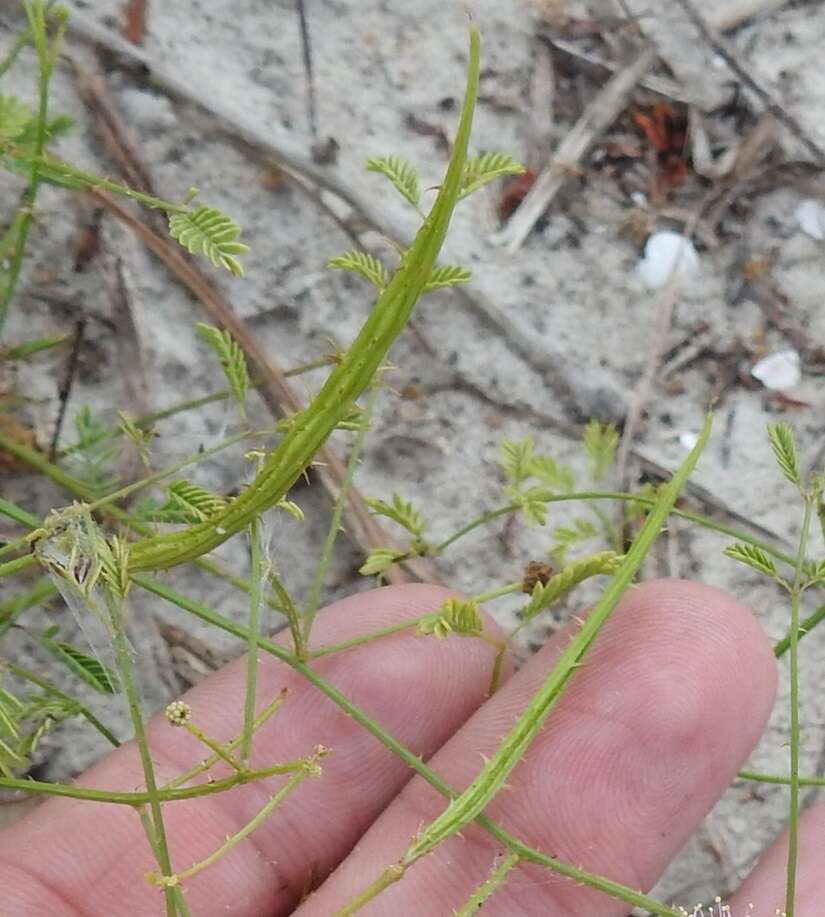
[{"x": 75, "y": 857}]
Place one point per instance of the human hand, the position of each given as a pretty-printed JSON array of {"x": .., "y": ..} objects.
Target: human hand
[{"x": 673, "y": 697}]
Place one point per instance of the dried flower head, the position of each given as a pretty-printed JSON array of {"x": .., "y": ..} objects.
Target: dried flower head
[{"x": 535, "y": 572}]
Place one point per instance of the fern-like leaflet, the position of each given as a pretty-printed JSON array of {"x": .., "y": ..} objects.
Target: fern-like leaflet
[
  {"x": 196, "y": 503},
  {"x": 784, "y": 450},
  {"x": 14, "y": 117},
  {"x": 402, "y": 175},
  {"x": 233, "y": 361},
  {"x": 485, "y": 168},
  {"x": 206, "y": 230},
  {"x": 362, "y": 263},
  {"x": 447, "y": 275},
  {"x": 400, "y": 511}
]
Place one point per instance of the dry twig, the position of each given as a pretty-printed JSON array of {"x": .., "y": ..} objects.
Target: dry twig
[
  {"x": 776, "y": 106},
  {"x": 598, "y": 116}
]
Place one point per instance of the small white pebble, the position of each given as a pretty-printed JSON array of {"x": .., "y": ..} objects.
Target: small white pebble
[
  {"x": 667, "y": 253},
  {"x": 810, "y": 215},
  {"x": 780, "y": 370}
]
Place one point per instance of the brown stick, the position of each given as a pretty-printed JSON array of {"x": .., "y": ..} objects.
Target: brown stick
[
  {"x": 596, "y": 118},
  {"x": 776, "y": 106}
]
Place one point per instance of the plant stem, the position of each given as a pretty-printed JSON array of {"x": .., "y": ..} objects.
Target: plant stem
[
  {"x": 136, "y": 800},
  {"x": 367, "y": 638},
  {"x": 256, "y": 574},
  {"x": 311, "y": 608},
  {"x": 236, "y": 838},
  {"x": 290, "y": 611},
  {"x": 486, "y": 889},
  {"x": 497, "y": 593},
  {"x": 473, "y": 801},
  {"x": 779, "y": 780},
  {"x": 16, "y": 565},
  {"x": 204, "y": 766},
  {"x": 586, "y": 495},
  {"x": 124, "y": 663},
  {"x": 346, "y": 382},
  {"x": 793, "y": 821},
  {"x": 413, "y": 761},
  {"x": 46, "y": 57},
  {"x": 218, "y": 749},
  {"x": 387, "y": 878}
]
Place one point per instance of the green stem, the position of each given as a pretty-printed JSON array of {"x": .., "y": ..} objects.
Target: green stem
[
  {"x": 236, "y": 838},
  {"x": 793, "y": 821},
  {"x": 63, "y": 173},
  {"x": 16, "y": 565},
  {"x": 344, "y": 384},
  {"x": 227, "y": 749},
  {"x": 366, "y": 638},
  {"x": 486, "y": 889},
  {"x": 290, "y": 611},
  {"x": 256, "y": 574},
  {"x": 7, "y": 508},
  {"x": 497, "y": 593},
  {"x": 45, "y": 57},
  {"x": 176, "y": 794},
  {"x": 78, "y": 489},
  {"x": 149, "y": 420},
  {"x": 314, "y": 599},
  {"x": 620, "y": 496},
  {"x": 22, "y": 40},
  {"x": 124, "y": 663},
  {"x": 413, "y": 761},
  {"x": 218, "y": 749},
  {"x": 779, "y": 780},
  {"x": 474, "y": 800},
  {"x": 388, "y": 877},
  {"x": 193, "y": 459}
]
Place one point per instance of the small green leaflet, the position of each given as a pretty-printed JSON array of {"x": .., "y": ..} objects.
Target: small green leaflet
[
  {"x": 400, "y": 511},
  {"x": 601, "y": 440},
  {"x": 482, "y": 169},
  {"x": 233, "y": 361},
  {"x": 206, "y": 230},
  {"x": 364, "y": 264},
  {"x": 194, "y": 501},
  {"x": 14, "y": 117},
  {"x": 515, "y": 457},
  {"x": 379, "y": 561},
  {"x": 402, "y": 174},
  {"x": 784, "y": 449},
  {"x": 753, "y": 557},
  {"x": 447, "y": 275},
  {"x": 86, "y": 667}
]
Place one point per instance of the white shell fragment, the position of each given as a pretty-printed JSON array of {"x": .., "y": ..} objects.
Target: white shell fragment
[
  {"x": 688, "y": 440},
  {"x": 778, "y": 370},
  {"x": 667, "y": 253},
  {"x": 810, "y": 215}
]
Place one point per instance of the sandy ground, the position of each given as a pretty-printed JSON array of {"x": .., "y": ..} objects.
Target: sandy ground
[{"x": 556, "y": 332}]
